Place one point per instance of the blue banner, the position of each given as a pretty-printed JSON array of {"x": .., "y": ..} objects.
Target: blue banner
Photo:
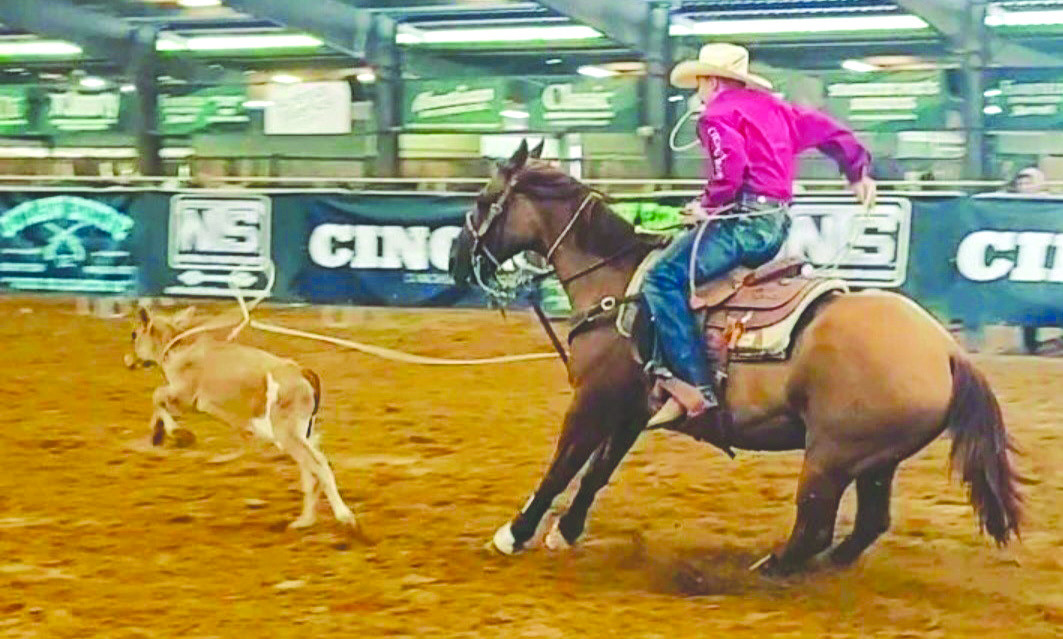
[
  {"x": 983, "y": 259},
  {"x": 381, "y": 250},
  {"x": 70, "y": 242}
]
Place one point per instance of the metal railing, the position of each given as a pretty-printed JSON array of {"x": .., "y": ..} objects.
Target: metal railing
[{"x": 458, "y": 184}]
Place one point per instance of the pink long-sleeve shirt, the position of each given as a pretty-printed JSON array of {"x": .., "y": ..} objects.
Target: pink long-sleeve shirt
[{"x": 753, "y": 138}]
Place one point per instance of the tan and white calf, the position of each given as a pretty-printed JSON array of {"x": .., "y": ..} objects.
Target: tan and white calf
[{"x": 254, "y": 391}]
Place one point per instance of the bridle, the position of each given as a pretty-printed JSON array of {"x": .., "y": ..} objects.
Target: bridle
[
  {"x": 479, "y": 253},
  {"x": 479, "y": 250}
]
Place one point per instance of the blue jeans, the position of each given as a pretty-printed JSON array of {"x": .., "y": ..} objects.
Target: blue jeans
[{"x": 725, "y": 244}]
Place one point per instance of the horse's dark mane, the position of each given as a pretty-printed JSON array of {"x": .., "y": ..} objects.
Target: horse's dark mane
[{"x": 544, "y": 182}]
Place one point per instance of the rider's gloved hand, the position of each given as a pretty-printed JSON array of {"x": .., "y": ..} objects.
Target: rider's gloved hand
[
  {"x": 693, "y": 213},
  {"x": 866, "y": 191}
]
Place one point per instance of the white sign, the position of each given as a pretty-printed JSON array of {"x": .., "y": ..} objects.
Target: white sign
[
  {"x": 410, "y": 248},
  {"x": 875, "y": 254},
  {"x": 1019, "y": 256},
  {"x": 216, "y": 240},
  {"x": 309, "y": 108}
]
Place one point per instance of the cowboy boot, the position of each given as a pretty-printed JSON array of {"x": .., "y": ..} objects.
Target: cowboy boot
[{"x": 714, "y": 426}]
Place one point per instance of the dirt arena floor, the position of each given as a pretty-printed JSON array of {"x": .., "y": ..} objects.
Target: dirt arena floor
[{"x": 102, "y": 535}]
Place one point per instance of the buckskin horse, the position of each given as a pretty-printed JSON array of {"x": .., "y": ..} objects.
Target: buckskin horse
[{"x": 867, "y": 379}]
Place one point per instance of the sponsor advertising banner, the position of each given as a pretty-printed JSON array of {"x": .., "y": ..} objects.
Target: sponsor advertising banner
[
  {"x": 992, "y": 259},
  {"x": 607, "y": 104},
  {"x": 216, "y": 241},
  {"x": 472, "y": 104},
  {"x": 985, "y": 259},
  {"x": 68, "y": 242},
  {"x": 381, "y": 250}
]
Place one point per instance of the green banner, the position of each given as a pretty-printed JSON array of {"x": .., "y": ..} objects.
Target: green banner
[
  {"x": 888, "y": 101},
  {"x": 470, "y": 104},
  {"x": 202, "y": 109},
  {"x": 609, "y": 104},
  {"x": 73, "y": 111},
  {"x": 1025, "y": 101},
  {"x": 14, "y": 110}
]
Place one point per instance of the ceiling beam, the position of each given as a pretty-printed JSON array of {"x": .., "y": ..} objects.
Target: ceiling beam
[
  {"x": 354, "y": 32},
  {"x": 623, "y": 21},
  {"x": 100, "y": 36},
  {"x": 952, "y": 19}
]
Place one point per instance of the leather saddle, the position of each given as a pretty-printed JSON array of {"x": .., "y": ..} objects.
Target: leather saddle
[
  {"x": 746, "y": 304},
  {"x": 748, "y": 314}
]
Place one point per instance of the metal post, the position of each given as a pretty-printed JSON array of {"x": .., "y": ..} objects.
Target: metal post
[
  {"x": 143, "y": 66},
  {"x": 658, "y": 65},
  {"x": 975, "y": 59},
  {"x": 388, "y": 103}
]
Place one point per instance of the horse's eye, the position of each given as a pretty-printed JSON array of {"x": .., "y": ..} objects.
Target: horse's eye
[{"x": 133, "y": 336}]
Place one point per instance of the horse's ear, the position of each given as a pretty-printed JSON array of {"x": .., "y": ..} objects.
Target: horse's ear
[
  {"x": 537, "y": 151},
  {"x": 520, "y": 156}
]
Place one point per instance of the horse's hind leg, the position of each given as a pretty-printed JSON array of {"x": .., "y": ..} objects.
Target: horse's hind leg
[
  {"x": 568, "y": 528},
  {"x": 872, "y": 514},
  {"x": 818, "y": 494}
]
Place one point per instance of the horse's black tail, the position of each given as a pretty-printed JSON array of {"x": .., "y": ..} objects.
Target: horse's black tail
[
  {"x": 980, "y": 448},
  {"x": 315, "y": 383}
]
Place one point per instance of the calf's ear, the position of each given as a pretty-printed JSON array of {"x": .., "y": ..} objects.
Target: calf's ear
[
  {"x": 184, "y": 318},
  {"x": 142, "y": 314}
]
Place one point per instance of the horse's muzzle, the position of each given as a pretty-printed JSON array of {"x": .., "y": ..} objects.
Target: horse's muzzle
[{"x": 460, "y": 265}]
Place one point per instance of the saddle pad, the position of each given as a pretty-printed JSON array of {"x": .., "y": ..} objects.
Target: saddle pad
[{"x": 625, "y": 319}]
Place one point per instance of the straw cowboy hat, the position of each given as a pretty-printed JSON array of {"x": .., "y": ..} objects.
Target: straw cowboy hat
[{"x": 717, "y": 60}]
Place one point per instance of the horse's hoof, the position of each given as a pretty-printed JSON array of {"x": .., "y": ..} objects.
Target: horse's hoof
[
  {"x": 772, "y": 567},
  {"x": 554, "y": 539},
  {"x": 504, "y": 542},
  {"x": 301, "y": 523},
  {"x": 183, "y": 438},
  {"x": 767, "y": 565},
  {"x": 158, "y": 434}
]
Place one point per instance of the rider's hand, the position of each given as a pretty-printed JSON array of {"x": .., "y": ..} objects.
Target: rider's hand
[
  {"x": 866, "y": 192},
  {"x": 693, "y": 213}
]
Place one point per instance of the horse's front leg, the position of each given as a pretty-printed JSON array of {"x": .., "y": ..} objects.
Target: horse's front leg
[
  {"x": 582, "y": 433},
  {"x": 566, "y": 530}
]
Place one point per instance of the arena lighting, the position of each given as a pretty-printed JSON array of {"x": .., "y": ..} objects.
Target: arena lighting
[
  {"x": 285, "y": 78},
  {"x": 366, "y": 77},
  {"x": 992, "y": 93},
  {"x": 195, "y": 4},
  {"x": 237, "y": 42},
  {"x": 675, "y": 98},
  {"x": 594, "y": 72},
  {"x": 1001, "y": 18},
  {"x": 513, "y": 113},
  {"x": 498, "y": 34},
  {"x": 92, "y": 82},
  {"x": 553, "y": 61},
  {"x": 257, "y": 104},
  {"x": 73, "y": 152},
  {"x": 859, "y": 66},
  {"x": 15, "y": 48},
  {"x": 992, "y": 109},
  {"x": 127, "y": 88},
  {"x": 887, "y": 22}
]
